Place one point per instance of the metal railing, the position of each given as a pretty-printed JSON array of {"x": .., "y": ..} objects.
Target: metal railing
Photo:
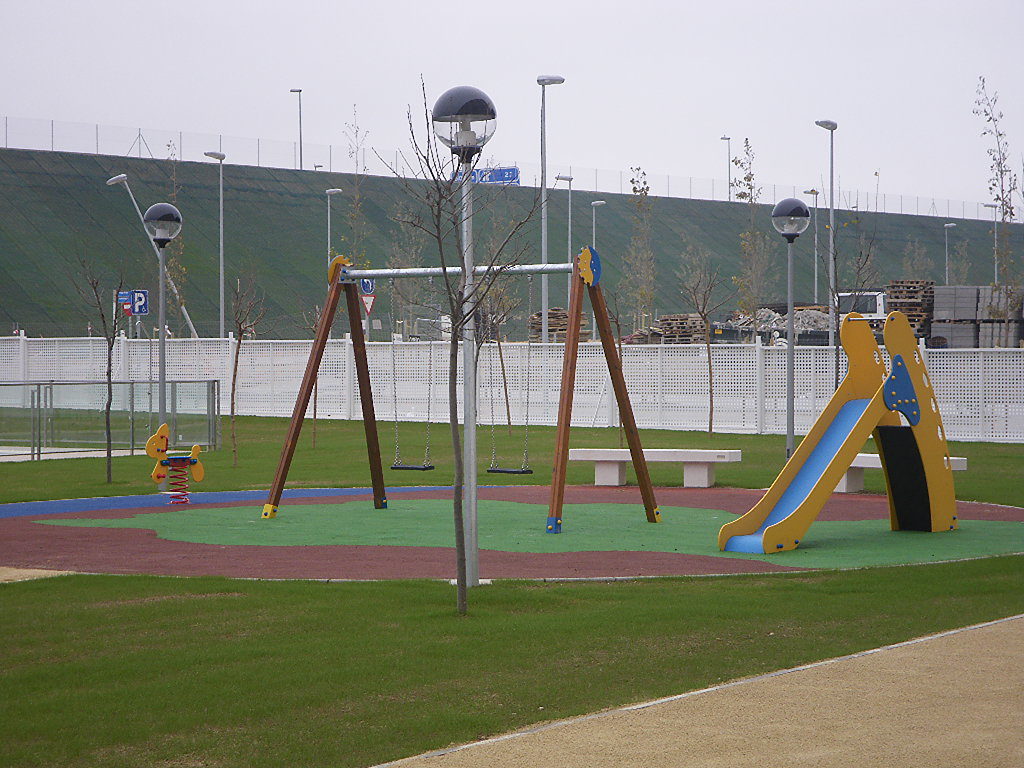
[{"x": 68, "y": 417}]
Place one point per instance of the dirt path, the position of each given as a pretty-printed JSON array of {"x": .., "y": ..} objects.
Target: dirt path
[{"x": 950, "y": 700}]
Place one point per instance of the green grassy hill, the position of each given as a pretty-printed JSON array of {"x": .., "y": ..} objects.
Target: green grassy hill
[{"x": 55, "y": 209}]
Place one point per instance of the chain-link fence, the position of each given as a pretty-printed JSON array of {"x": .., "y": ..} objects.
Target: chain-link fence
[{"x": 69, "y": 417}]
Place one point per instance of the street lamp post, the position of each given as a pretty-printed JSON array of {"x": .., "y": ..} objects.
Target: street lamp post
[
  {"x": 833, "y": 310},
  {"x": 995, "y": 241},
  {"x": 790, "y": 217},
  {"x": 464, "y": 119},
  {"x": 813, "y": 191},
  {"x": 219, "y": 157},
  {"x": 299, "y": 91},
  {"x": 568, "y": 283},
  {"x": 728, "y": 163},
  {"x": 163, "y": 223},
  {"x": 330, "y": 193},
  {"x": 122, "y": 178},
  {"x": 544, "y": 81},
  {"x": 946, "y": 228}
]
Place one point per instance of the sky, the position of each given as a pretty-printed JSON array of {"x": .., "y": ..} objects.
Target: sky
[{"x": 649, "y": 84}]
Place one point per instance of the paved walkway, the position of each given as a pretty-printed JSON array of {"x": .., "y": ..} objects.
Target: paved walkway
[{"x": 955, "y": 699}]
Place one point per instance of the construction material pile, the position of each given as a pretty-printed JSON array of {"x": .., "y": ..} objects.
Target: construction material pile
[
  {"x": 558, "y": 324},
  {"x": 915, "y": 299}
]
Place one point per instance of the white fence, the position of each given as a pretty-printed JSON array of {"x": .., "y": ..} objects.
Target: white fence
[{"x": 980, "y": 391}]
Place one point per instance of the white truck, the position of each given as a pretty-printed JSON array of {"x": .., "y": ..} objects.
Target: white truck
[{"x": 870, "y": 304}]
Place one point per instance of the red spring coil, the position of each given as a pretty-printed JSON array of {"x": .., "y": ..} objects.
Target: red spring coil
[{"x": 177, "y": 483}]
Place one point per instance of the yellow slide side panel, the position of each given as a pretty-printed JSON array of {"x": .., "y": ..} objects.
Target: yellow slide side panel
[
  {"x": 928, "y": 432},
  {"x": 865, "y": 374}
]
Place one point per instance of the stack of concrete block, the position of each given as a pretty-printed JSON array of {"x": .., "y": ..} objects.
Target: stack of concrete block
[
  {"x": 954, "y": 335},
  {"x": 955, "y": 302}
]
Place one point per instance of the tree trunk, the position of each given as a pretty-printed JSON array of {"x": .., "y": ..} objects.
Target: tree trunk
[
  {"x": 711, "y": 381},
  {"x": 460, "y": 469},
  {"x": 106, "y": 406},
  {"x": 234, "y": 389}
]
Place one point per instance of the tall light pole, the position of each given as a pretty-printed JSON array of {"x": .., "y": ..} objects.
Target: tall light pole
[
  {"x": 163, "y": 223},
  {"x": 299, "y": 91},
  {"x": 464, "y": 119},
  {"x": 330, "y": 193},
  {"x": 219, "y": 157},
  {"x": 790, "y": 217},
  {"x": 122, "y": 178},
  {"x": 593, "y": 221},
  {"x": 568, "y": 283},
  {"x": 945, "y": 229},
  {"x": 544, "y": 81},
  {"x": 728, "y": 162},
  {"x": 833, "y": 310},
  {"x": 995, "y": 241},
  {"x": 814, "y": 192}
]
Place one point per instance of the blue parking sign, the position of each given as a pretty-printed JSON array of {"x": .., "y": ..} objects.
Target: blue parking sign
[{"x": 140, "y": 302}]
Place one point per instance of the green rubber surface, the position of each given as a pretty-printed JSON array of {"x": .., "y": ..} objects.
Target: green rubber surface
[{"x": 517, "y": 527}]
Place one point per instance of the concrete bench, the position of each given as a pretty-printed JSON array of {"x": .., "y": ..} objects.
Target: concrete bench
[
  {"x": 853, "y": 480},
  {"x": 698, "y": 465}
]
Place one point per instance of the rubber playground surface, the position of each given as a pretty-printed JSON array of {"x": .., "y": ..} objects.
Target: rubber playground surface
[{"x": 336, "y": 534}]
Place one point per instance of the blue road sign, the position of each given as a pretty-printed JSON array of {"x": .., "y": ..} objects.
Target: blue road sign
[
  {"x": 493, "y": 176},
  {"x": 366, "y": 285},
  {"x": 140, "y": 302},
  {"x": 134, "y": 302}
]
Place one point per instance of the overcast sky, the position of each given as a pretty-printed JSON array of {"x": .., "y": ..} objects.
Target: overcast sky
[{"x": 653, "y": 84}]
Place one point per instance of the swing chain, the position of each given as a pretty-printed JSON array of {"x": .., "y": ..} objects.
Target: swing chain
[
  {"x": 526, "y": 416},
  {"x": 430, "y": 378},
  {"x": 394, "y": 368}
]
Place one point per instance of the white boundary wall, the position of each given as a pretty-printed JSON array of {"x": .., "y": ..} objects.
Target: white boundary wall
[{"x": 980, "y": 391}]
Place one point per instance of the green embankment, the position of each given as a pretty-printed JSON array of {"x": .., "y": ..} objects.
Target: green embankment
[{"x": 56, "y": 208}]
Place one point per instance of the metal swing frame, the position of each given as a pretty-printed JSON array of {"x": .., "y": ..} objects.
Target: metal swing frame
[{"x": 585, "y": 270}]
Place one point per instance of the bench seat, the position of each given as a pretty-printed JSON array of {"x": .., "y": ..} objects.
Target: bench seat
[{"x": 698, "y": 464}]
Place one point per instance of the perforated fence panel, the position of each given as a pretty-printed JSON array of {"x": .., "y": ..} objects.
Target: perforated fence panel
[{"x": 980, "y": 391}]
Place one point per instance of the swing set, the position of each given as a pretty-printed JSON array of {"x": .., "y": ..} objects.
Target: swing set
[{"x": 586, "y": 274}]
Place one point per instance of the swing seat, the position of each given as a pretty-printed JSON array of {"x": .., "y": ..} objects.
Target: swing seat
[
  {"x": 504, "y": 471},
  {"x": 418, "y": 467}
]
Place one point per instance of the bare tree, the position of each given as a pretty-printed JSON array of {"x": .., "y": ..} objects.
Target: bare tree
[
  {"x": 94, "y": 291},
  {"x": 311, "y": 321},
  {"x": 701, "y": 284},
  {"x": 248, "y": 308},
  {"x": 915, "y": 265},
  {"x": 1002, "y": 185},
  {"x": 639, "y": 278},
  {"x": 756, "y": 253},
  {"x": 437, "y": 213},
  {"x": 355, "y": 217},
  {"x": 960, "y": 263}
]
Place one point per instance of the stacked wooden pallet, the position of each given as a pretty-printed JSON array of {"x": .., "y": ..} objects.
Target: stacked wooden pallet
[
  {"x": 558, "y": 324},
  {"x": 686, "y": 328},
  {"x": 915, "y": 299}
]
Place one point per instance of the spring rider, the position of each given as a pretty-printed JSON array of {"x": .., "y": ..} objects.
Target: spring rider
[{"x": 174, "y": 467}]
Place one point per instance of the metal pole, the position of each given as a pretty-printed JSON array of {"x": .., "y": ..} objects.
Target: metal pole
[
  {"x": 790, "y": 351},
  {"x": 507, "y": 269},
  {"x": 833, "y": 310},
  {"x": 328, "y": 230},
  {"x": 568, "y": 250},
  {"x": 469, "y": 514},
  {"x": 162, "y": 348},
  {"x": 543, "y": 219},
  {"x": 222, "y": 248},
  {"x": 945, "y": 231},
  {"x": 816, "y": 248},
  {"x": 300, "y": 130}
]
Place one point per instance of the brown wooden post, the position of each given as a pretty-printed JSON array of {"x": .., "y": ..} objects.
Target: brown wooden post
[
  {"x": 302, "y": 401},
  {"x": 355, "y": 317},
  {"x": 568, "y": 385},
  {"x": 636, "y": 450}
]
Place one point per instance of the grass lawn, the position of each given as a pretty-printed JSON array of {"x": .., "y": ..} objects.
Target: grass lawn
[
  {"x": 149, "y": 671},
  {"x": 995, "y": 474}
]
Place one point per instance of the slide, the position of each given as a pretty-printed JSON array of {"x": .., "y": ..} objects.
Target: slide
[{"x": 779, "y": 521}]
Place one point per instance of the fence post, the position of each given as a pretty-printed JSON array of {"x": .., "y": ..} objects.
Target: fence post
[{"x": 759, "y": 397}]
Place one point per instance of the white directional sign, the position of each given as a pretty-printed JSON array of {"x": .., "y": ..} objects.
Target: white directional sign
[{"x": 368, "y": 299}]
